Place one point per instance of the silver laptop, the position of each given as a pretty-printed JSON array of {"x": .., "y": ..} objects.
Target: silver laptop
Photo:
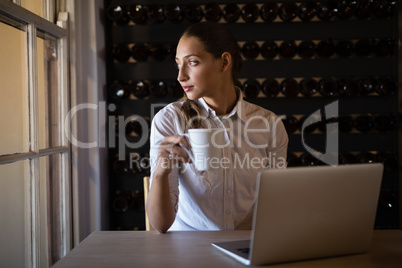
[{"x": 310, "y": 212}]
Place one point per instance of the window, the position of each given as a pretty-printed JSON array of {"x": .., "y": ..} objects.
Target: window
[{"x": 34, "y": 152}]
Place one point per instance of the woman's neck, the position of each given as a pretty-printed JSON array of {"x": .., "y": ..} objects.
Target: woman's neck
[{"x": 223, "y": 101}]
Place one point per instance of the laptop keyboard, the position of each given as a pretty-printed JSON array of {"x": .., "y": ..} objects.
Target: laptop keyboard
[{"x": 244, "y": 250}]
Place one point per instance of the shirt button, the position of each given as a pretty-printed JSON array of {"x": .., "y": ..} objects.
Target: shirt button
[
  {"x": 227, "y": 212},
  {"x": 228, "y": 191}
]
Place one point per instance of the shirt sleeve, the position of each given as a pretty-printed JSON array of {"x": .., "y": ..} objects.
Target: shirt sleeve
[{"x": 165, "y": 123}]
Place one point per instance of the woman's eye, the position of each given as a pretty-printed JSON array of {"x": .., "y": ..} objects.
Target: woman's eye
[
  {"x": 192, "y": 62},
  {"x": 178, "y": 65}
]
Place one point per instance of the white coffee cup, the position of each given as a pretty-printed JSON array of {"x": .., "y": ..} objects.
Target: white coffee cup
[{"x": 206, "y": 147}]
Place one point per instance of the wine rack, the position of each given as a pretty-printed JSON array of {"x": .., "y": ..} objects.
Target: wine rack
[{"x": 299, "y": 56}]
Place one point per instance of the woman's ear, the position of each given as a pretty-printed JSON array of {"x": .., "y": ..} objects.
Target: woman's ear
[{"x": 226, "y": 61}]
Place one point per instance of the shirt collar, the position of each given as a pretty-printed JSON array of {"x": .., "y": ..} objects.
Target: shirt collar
[{"x": 239, "y": 108}]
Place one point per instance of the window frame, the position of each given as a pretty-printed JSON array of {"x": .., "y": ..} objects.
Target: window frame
[{"x": 35, "y": 26}]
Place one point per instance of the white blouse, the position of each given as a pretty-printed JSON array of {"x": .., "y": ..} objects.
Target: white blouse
[{"x": 222, "y": 199}]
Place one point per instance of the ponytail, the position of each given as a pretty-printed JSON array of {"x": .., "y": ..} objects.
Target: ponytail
[{"x": 191, "y": 113}]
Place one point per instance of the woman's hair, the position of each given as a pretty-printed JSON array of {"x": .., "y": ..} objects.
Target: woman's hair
[{"x": 216, "y": 39}]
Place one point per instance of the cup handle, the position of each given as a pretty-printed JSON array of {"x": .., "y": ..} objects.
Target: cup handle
[{"x": 189, "y": 153}]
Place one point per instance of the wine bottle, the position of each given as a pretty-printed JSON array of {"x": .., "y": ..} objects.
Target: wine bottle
[
  {"x": 387, "y": 211},
  {"x": 133, "y": 128},
  {"x": 157, "y": 88},
  {"x": 120, "y": 167},
  {"x": 307, "y": 159},
  {"x": 306, "y": 49},
  {"x": 288, "y": 49},
  {"x": 385, "y": 8},
  {"x": 138, "y": 14},
  {"x": 120, "y": 202},
  {"x": 119, "y": 90},
  {"x": 291, "y": 124},
  {"x": 344, "y": 48},
  {"x": 363, "y": 48},
  {"x": 346, "y": 9},
  {"x": 348, "y": 87},
  {"x": 213, "y": 12},
  {"x": 387, "y": 86},
  {"x": 288, "y": 11},
  {"x": 136, "y": 202},
  {"x": 346, "y": 123},
  {"x": 364, "y": 123},
  {"x": 325, "y": 48},
  {"x": 290, "y": 88},
  {"x": 384, "y": 123},
  {"x": 270, "y": 88},
  {"x": 170, "y": 50},
  {"x": 140, "y": 51},
  {"x": 231, "y": 13},
  {"x": 292, "y": 160},
  {"x": 250, "y": 50},
  {"x": 174, "y": 13},
  {"x": 269, "y": 11},
  {"x": 158, "y": 51},
  {"x": 327, "y": 10},
  {"x": 140, "y": 88},
  {"x": 368, "y": 85},
  {"x": 307, "y": 11},
  {"x": 365, "y": 158},
  {"x": 174, "y": 89},
  {"x": 347, "y": 159},
  {"x": 310, "y": 128},
  {"x": 118, "y": 14},
  {"x": 250, "y": 12},
  {"x": 389, "y": 161},
  {"x": 193, "y": 13},
  {"x": 121, "y": 52},
  {"x": 269, "y": 50},
  {"x": 322, "y": 125},
  {"x": 384, "y": 48},
  {"x": 145, "y": 164},
  {"x": 134, "y": 158},
  {"x": 364, "y": 9},
  {"x": 114, "y": 12},
  {"x": 156, "y": 13},
  {"x": 328, "y": 87},
  {"x": 251, "y": 88},
  {"x": 308, "y": 87}
]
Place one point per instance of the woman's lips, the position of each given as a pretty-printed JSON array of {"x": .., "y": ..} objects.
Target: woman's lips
[{"x": 187, "y": 88}]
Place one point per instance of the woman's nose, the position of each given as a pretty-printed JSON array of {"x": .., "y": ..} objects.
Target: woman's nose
[{"x": 182, "y": 75}]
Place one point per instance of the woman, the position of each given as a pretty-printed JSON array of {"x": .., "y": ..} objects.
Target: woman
[{"x": 180, "y": 196}]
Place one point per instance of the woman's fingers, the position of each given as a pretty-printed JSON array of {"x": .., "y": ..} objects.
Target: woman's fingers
[
  {"x": 179, "y": 154},
  {"x": 176, "y": 139},
  {"x": 171, "y": 148}
]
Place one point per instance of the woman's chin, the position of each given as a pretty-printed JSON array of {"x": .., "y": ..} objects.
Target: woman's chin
[{"x": 191, "y": 96}]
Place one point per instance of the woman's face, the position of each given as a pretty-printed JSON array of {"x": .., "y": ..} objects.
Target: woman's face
[{"x": 199, "y": 72}]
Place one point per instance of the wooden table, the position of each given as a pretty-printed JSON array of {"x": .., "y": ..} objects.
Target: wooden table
[{"x": 120, "y": 249}]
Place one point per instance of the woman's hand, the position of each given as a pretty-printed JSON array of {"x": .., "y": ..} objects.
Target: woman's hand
[{"x": 170, "y": 153}]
